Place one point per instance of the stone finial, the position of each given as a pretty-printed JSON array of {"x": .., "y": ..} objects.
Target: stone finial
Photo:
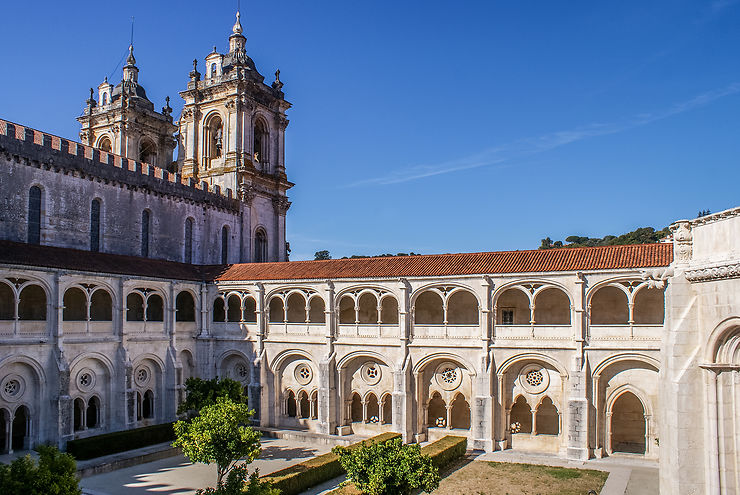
[
  {"x": 166, "y": 109},
  {"x": 682, "y": 241},
  {"x": 237, "y": 29},
  {"x": 278, "y": 84},
  {"x": 130, "y": 60},
  {"x": 194, "y": 74}
]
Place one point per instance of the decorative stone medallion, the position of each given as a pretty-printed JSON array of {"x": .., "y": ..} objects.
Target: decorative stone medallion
[
  {"x": 142, "y": 375},
  {"x": 448, "y": 376},
  {"x": 12, "y": 388},
  {"x": 370, "y": 373},
  {"x": 303, "y": 374},
  {"x": 241, "y": 372},
  {"x": 534, "y": 379},
  {"x": 85, "y": 380}
]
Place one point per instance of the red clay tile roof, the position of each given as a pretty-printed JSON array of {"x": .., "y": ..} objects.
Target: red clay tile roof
[
  {"x": 565, "y": 259},
  {"x": 551, "y": 260},
  {"x": 16, "y": 253}
]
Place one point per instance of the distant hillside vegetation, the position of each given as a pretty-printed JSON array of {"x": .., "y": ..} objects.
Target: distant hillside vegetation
[{"x": 644, "y": 235}]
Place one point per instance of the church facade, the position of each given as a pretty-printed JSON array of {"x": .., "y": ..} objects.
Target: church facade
[{"x": 124, "y": 272}]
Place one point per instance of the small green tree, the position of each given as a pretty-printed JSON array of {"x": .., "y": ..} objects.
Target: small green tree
[
  {"x": 55, "y": 473},
  {"x": 200, "y": 393},
  {"x": 322, "y": 255},
  {"x": 219, "y": 434},
  {"x": 389, "y": 468}
]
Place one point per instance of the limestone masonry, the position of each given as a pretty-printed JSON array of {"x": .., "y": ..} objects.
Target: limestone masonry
[{"x": 123, "y": 272}]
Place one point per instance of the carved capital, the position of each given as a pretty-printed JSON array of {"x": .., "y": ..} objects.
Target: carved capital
[
  {"x": 682, "y": 241},
  {"x": 281, "y": 204}
]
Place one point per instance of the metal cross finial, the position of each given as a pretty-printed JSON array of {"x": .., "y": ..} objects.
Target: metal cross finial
[
  {"x": 195, "y": 64},
  {"x": 167, "y": 100},
  {"x": 277, "y": 75},
  {"x": 132, "y": 31},
  {"x": 91, "y": 93}
]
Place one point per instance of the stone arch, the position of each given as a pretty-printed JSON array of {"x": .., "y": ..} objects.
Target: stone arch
[
  {"x": 260, "y": 245},
  {"x": 627, "y": 413},
  {"x": 520, "y": 416},
  {"x": 316, "y": 309},
  {"x": 356, "y": 408},
  {"x": 347, "y": 312},
  {"x": 7, "y": 303},
  {"x": 22, "y": 382},
  {"x": 35, "y": 212},
  {"x": 32, "y": 302},
  {"x": 462, "y": 308},
  {"x": 428, "y": 308},
  {"x": 101, "y": 305},
  {"x": 304, "y": 405},
  {"x": 276, "y": 309},
  {"x": 426, "y": 360},
  {"x": 104, "y": 141},
  {"x": 460, "y": 413},
  {"x": 649, "y": 305},
  {"x": 93, "y": 412},
  {"x": 147, "y": 151},
  {"x": 314, "y": 399},
  {"x": 249, "y": 313},
  {"x": 547, "y": 417},
  {"x": 296, "y": 307},
  {"x": 386, "y": 402},
  {"x": 552, "y": 306},
  {"x": 367, "y": 308},
  {"x": 513, "y": 306},
  {"x": 219, "y": 309},
  {"x": 233, "y": 307},
  {"x": 75, "y": 304},
  {"x": 291, "y": 405},
  {"x": 532, "y": 356},
  {"x": 184, "y": 306},
  {"x": 608, "y": 304},
  {"x": 388, "y": 309},
  {"x": 187, "y": 362},
  {"x": 213, "y": 136},
  {"x": 436, "y": 411},
  {"x": 154, "y": 307},
  {"x": 261, "y": 141},
  {"x": 372, "y": 407}
]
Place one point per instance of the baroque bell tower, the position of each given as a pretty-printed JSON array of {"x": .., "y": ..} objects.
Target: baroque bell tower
[{"x": 232, "y": 135}]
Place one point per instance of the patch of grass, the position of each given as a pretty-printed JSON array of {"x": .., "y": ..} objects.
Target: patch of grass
[{"x": 476, "y": 478}]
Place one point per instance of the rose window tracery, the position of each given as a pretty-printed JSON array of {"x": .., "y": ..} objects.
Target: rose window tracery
[
  {"x": 303, "y": 374},
  {"x": 12, "y": 388},
  {"x": 448, "y": 376},
  {"x": 534, "y": 378},
  {"x": 85, "y": 380},
  {"x": 371, "y": 373},
  {"x": 142, "y": 375}
]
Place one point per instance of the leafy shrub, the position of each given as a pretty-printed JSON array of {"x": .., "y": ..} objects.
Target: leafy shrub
[
  {"x": 120, "y": 441},
  {"x": 200, "y": 393},
  {"x": 389, "y": 468},
  {"x": 300, "y": 477},
  {"x": 55, "y": 473}
]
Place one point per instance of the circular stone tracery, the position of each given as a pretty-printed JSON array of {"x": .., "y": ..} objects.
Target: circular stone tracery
[
  {"x": 86, "y": 380},
  {"x": 534, "y": 378},
  {"x": 448, "y": 376},
  {"x": 370, "y": 373},
  {"x": 242, "y": 372},
  {"x": 303, "y": 374},
  {"x": 12, "y": 388},
  {"x": 142, "y": 375}
]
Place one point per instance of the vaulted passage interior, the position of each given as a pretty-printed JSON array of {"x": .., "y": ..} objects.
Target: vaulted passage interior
[{"x": 628, "y": 425}]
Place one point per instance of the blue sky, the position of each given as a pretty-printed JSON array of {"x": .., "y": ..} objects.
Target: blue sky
[{"x": 436, "y": 126}]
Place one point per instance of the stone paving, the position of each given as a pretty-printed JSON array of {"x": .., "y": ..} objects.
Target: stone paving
[{"x": 177, "y": 476}]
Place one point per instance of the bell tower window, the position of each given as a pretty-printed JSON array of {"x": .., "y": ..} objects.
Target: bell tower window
[
  {"x": 260, "y": 143},
  {"x": 260, "y": 246},
  {"x": 213, "y": 70},
  {"x": 214, "y": 138},
  {"x": 105, "y": 145},
  {"x": 147, "y": 152}
]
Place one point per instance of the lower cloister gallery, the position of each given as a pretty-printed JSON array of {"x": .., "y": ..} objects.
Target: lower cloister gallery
[{"x": 122, "y": 275}]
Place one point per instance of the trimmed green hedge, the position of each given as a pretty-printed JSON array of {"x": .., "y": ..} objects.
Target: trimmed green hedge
[
  {"x": 446, "y": 449},
  {"x": 120, "y": 441},
  {"x": 300, "y": 477}
]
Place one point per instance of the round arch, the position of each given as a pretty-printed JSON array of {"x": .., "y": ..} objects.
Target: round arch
[
  {"x": 348, "y": 358},
  {"x": 423, "y": 362},
  {"x": 718, "y": 337},
  {"x": 277, "y": 362},
  {"x": 626, "y": 356},
  {"x": 532, "y": 356}
]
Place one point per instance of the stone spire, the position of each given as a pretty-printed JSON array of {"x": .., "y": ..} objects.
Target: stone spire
[
  {"x": 130, "y": 71},
  {"x": 237, "y": 39}
]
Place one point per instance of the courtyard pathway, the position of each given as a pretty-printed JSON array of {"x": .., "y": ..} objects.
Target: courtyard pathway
[{"x": 177, "y": 476}]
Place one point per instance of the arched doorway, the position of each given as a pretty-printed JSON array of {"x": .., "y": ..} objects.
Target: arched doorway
[
  {"x": 20, "y": 429},
  {"x": 628, "y": 425}
]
